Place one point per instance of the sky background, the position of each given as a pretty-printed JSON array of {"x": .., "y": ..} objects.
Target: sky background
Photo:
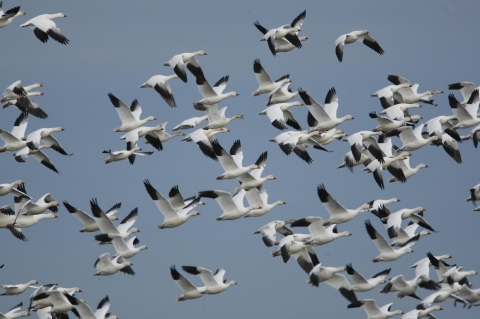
[{"x": 115, "y": 46}]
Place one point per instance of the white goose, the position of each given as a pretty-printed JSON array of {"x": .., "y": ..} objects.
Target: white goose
[
  {"x": 107, "y": 267},
  {"x": 269, "y": 231},
  {"x": 43, "y": 27},
  {"x": 232, "y": 206},
  {"x": 164, "y": 136},
  {"x": 231, "y": 162},
  {"x": 86, "y": 312},
  {"x": 160, "y": 84},
  {"x": 387, "y": 253},
  {"x": 287, "y": 31},
  {"x": 180, "y": 61},
  {"x": 89, "y": 223},
  {"x": 126, "y": 249},
  {"x": 466, "y": 115},
  {"x": 303, "y": 253},
  {"x": 260, "y": 197},
  {"x": 404, "y": 167},
  {"x": 265, "y": 83},
  {"x": 386, "y": 124},
  {"x": 203, "y": 138},
  {"x": 190, "y": 123},
  {"x": 14, "y": 91},
  {"x": 7, "y": 17},
  {"x": 151, "y": 134},
  {"x": 10, "y": 189},
  {"x": 190, "y": 291},
  {"x": 130, "y": 116},
  {"x": 282, "y": 45},
  {"x": 172, "y": 217},
  {"x": 108, "y": 229},
  {"x": 121, "y": 155},
  {"x": 399, "y": 111},
  {"x": 21, "y": 156},
  {"x": 326, "y": 117},
  {"x": 30, "y": 207},
  {"x": 14, "y": 140},
  {"x": 407, "y": 233},
  {"x": 373, "y": 311},
  {"x": 474, "y": 195},
  {"x": 377, "y": 168},
  {"x": 416, "y": 313},
  {"x": 412, "y": 139},
  {"x": 26, "y": 104},
  {"x": 361, "y": 284},
  {"x": 338, "y": 213},
  {"x": 350, "y": 162},
  {"x": 319, "y": 235},
  {"x": 362, "y": 36},
  {"x": 44, "y": 134},
  {"x": 60, "y": 303},
  {"x": 16, "y": 289},
  {"x": 178, "y": 203},
  {"x": 466, "y": 88},
  {"x": 409, "y": 95},
  {"x": 25, "y": 221},
  {"x": 213, "y": 283},
  {"x": 212, "y": 95},
  {"x": 281, "y": 94},
  {"x": 14, "y": 312},
  {"x": 280, "y": 116}
]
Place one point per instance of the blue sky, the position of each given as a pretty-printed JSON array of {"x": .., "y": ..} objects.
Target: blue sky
[{"x": 115, "y": 46}]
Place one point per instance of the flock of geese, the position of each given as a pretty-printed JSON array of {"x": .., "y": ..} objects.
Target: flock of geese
[{"x": 374, "y": 149}]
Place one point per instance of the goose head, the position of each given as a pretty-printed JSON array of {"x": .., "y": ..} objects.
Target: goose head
[
  {"x": 56, "y": 15},
  {"x": 194, "y": 212}
]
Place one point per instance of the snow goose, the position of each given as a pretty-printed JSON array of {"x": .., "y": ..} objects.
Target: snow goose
[
  {"x": 14, "y": 91},
  {"x": 41, "y": 205},
  {"x": 321, "y": 273},
  {"x": 466, "y": 88},
  {"x": 350, "y": 162},
  {"x": 319, "y": 235},
  {"x": 107, "y": 267},
  {"x": 405, "y": 287},
  {"x": 399, "y": 111},
  {"x": 304, "y": 254},
  {"x": 407, "y": 233},
  {"x": 298, "y": 142},
  {"x": 386, "y": 124},
  {"x": 447, "y": 291},
  {"x": 121, "y": 155},
  {"x": 447, "y": 137},
  {"x": 260, "y": 197},
  {"x": 326, "y": 117},
  {"x": 15, "y": 140},
  {"x": 7, "y": 217},
  {"x": 412, "y": 139},
  {"x": 151, "y": 134},
  {"x": 357, "y": 140},
  {"x": 126, "y": 249},
  {"x": 282, "y": 45},
  {"x": 22, "y": 155},
  {"x": 416, "y": 313},
  {"x": 280, "y": 116},
  {"x": 338, "y": 213},
  {"x": 178, "y": 203},
  {"x": 373, "y": 311},
  {"x": 130, "y": 116},
  {"x": 43, "y": 27},
  {"x": 232, "y": 206},
  {"x": 60, "y": 303},
  {"x": 26, "y": 104},
  {"x": 387, "y": 253},
  {"x": 211, "y": 95},
  {"x": 25, "y": 221},
  {"x": 162, "y": 135},
  {"x": 289, "y": 31},
  {"x": 214, "y": 283},
  {"x": 394, "y": 220},
  {"x": 109, "y": 230},
  {"x": 9, "y": 189},
  {"x": 180, "y": 61},
  {"x": 248, "y": 181},
  {"x": 269, "y": 231},
  {"x": 7, "y": 17},
  {"x": 172, "y": 217},
  {"x": 282, "y": 94},
  {"x": 377, "y": 168},
  {"x": 160, "y": 84},
  {"x": 466, "y": 115},
  {"x": 404, "y": 167},
  {"x": 409, "y": 95},
  {"x": 16, "y": 289},
  {"x": 86, "y": 312},
  {"x": 453, "y": 275},
  {"x": 426, "y": 260},
  {"x": 222, "y": 122},
  {"x": 265, "y": 83},
  {"x": 44, "y": 134},
  {"x": 469, "y": 295},
  {"x": 363, "y": 36},
  {"x": 387, "y": 92},
  {"x": 231, "y": 162},
  {"x": 190, "y": 291},
  {"x": 190, "y": 123},
  {"x": 361, "y": 284},
  {"x": 14, "y": 312},
  {"x": 474, "y": 195},
  {"x": 89, "y": 223},
  {"x": 203, "y": 138}
]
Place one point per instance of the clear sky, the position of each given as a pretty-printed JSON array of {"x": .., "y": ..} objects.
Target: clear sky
[{"x": 115, "y": 46}]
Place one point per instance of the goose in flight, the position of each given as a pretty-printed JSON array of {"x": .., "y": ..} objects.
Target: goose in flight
[
  {"x": 172, "y": 217},
  {"x": 107, "y": 267},
  {"x": 265, "y": 83},
  {"x": 89, "y": 223},
  {"x": 160, "y": 84},
  {"x": 363, "y": 36},
  {"x": 288, "y": 31},
  {"x": 14, "y": 140},
  {"x": 214, "y": 283},
  {"x": 43, "y": 27},
  {"x": 373, "y": 311},
  {"x": 203, "y": 138},
  {"x": 232, "y": 206},
  {"x": 130, "y": 116},
  {"x": 211, "y": 95},
  {"x": 180, "y": 61},
  {"x": 16, "y": 289},
  {"x": 7, "y": 17},
  {"x": 280, "y": 116},
  {"x": 190, "y": 291},
  {"x": 269, "y": 231}
]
